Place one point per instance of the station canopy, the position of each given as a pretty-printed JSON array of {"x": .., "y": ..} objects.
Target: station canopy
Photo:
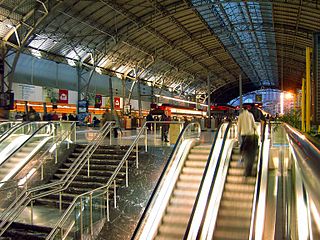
[{"x": 171, "y": 44}]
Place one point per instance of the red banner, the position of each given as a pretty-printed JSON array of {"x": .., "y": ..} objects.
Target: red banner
[
  {"x": 63, "y": 96},
  {"x": 116, "y": 102}
]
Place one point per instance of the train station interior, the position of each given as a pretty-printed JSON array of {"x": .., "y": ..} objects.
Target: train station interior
[{"x": 159, "y": 119}]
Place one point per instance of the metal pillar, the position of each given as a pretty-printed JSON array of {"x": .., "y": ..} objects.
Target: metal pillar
[
  {"x": 240, "y": 92},
  {"x": 308, "y": 89},
  {"x": 209, "y": 101},
  {"x": 111, "y": 94},
  {"x": 139, "y": 98},
  {"x": 123, "y": 93},
  {"x": 303, "y": 103},
  {"x": 78, "y": 85}
]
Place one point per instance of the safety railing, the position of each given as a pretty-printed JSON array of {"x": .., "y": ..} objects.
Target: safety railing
[
  {"x": 305, "y": 158},
  {"x": 191, "y": 131},
  {"x": 15, "y": 187},
  {"x": 26, "y": 197},
  {"x": 94, "y": 205},
  {"x": 7, "y": 127},
  {"x": 196, "y": 220}
]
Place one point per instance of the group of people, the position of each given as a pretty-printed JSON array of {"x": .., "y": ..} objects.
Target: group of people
[{"x": 165, "y": 126}]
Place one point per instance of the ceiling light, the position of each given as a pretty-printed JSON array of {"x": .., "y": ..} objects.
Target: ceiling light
[
  {"x": 98, "y": 70},
  {"x": 36, "y": 53},
  {"x": 71, "y": 63}
]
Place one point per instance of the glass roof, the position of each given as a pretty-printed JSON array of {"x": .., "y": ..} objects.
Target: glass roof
[{"x": 246, "y": 31}]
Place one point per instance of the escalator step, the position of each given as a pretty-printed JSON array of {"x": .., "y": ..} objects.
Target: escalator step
[
  {"x": 230, "y": 204},
  {"x": 173, "y": 219},
  {"x": 200, "y": 151},
  {"x": 239, "y": 187},
  {"x": 236, "y": 196},
  {"x": 185, "y": 193},
  {"x": 187, "y": 185},
  {"x": 197, "y": 157},
  {"x": 230, "y": 235},
  {"x": 193, "y": 171},
  {"x": 195, "y": 164},
  {"x": 230, "y": 223},
  {"x": 181, "y": 201},
  {"x": 236, "y": 171},
  {"x": 241, "y": 179},
  {"x": 171, "y": 231},
  {"x": 161, "y": 237},
  {"x": 179, "y": 210},
  {"x": 190, "y": 178},
  {"x": 238, "y": 213}
]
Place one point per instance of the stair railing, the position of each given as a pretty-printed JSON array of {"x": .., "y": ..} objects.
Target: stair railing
[
  {"x": 31, "y": 194},
  {"x": 8, "y": 128},
  {"x": 101, "y": 194},
  {"x": 21, "y": 184}
]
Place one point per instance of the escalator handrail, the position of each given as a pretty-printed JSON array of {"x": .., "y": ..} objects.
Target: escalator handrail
[
  {"x": 6, "y": 134},
  {"x": 257, "y": 192},
  {"x": 28, "y": 139},
  {"x": 226, "y": 132},
  {"x": 161, "y": 178},
  {"x": 203, "y": 179},
  {"x": 308, "y": 159}
]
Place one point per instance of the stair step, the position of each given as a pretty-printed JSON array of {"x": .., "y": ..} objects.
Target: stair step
[
  {"x": 187, "y": 185},
  {"x": 232, "y": 223},
  {"x": 235, "y": 213},
  {"x": 200, "y": 151},
  {"x": 231, "y": 204}
]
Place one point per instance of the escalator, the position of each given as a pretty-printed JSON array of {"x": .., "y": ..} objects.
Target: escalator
[
  {"x": 21, "y": 145},
  {"x": 234, "y": 214},
  {"x": 178, "y": 210}
]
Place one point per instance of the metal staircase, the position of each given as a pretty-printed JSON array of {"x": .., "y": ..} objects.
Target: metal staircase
[
  {"x": 182, "y": 199},
  {"x": 234, "y": 215},
  {"x": 102, "y": 164}
]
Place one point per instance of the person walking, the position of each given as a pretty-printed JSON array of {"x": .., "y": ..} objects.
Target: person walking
[
  {"x": 149, "y": 118},
  {"x": 248, "y": 148},
  {"x": 165, "y": 127}
]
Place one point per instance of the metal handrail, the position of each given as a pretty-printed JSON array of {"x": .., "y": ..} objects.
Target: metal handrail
[
  {"x": 257, "y": 193},
  {"x": 7, "y": 133},
  {"x": 308, "y": 159},
  {"x": 164, "y": 171},
  {"x": 23, "y": 199},
  {"x": 61, "y": 138},
  {"x": 110, "y": 182},
  {"x": 203, "y": 178},
  {"x": 28, "y": 139},
  {"x": 224, "y": 135}
]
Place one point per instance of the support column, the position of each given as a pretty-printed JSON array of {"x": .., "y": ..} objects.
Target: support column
[
  {"x": 111, "y": 94},
  {"x": 240, "y": 92},
  {"x": 78, "y": 85},
  {"x": 303, "y": 104},
  {"x": 308, "y": 89},
  {"x": 209, "y": 101},
  {"x": 139, "y": 98},
  {"x": 123, "y": 93}
]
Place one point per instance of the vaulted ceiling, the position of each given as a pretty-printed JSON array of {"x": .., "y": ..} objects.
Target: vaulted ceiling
[{"x": 173, "y": 44}]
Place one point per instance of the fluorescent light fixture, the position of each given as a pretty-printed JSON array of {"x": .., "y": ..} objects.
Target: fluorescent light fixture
[
  {"x": 170, "y": 90},
  {"x": 36, "y": 53},
  {"x": 149, "y": 84},
  {"x": 9, "y": 25},
  {"x": 71, "y": 63},
  {"x": 180, "y": 100}
]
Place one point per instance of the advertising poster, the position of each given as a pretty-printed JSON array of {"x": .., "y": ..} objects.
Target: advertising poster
[
  {"x": 63, "y": 96},
  {"x": 116, "y": 103},
  {"x": 98, "y": 101}
]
